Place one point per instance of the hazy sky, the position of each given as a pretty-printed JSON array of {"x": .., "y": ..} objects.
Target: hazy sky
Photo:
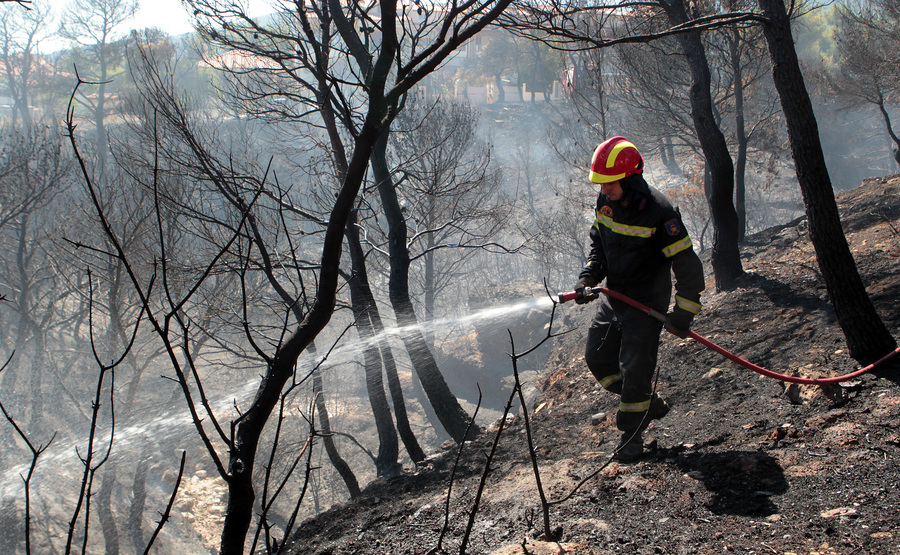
[{"x": 168, "y": 15}]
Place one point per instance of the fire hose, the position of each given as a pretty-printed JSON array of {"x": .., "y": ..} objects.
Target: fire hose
[{"x": 570, "y": 296}]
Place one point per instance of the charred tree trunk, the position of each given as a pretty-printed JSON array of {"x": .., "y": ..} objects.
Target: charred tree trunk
[
  {"x": 37, "y": 373},
  {"x": 867, "y": 337},
  {"x": 377, "y": 327},
  {"x": 451, "y": 415},
  {"x": 673, "y": 160},
  {"x": 890, "y": 128},
  {"x": 104, "y": 510},
  {"x": 136, "y": 510},
  {"x": 430, "y": 278},
  {"x": 740, "y": 163},
  {"x": 343, "y": 469},
  {"x": 726, "y": 258},
  {"x": 362, "y": 303},
  {"x": 100, "y": 141},
  {"x": 407, "y": 435},
  {"x": 249, "y": 427},
  {"x": 30, "y": 332},
  {"x": 501, "y": 94}
]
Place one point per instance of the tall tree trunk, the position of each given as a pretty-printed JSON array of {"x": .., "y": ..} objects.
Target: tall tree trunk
[
  {"x": 135, "y": 524},
  {"x": 30, "y": 326},
  {"x": 407, "y": 435},
  {"x": 726, "y": 257},
  {"x": 9, "y": 375},
  {"x": 867, "y": 337},
  {"x": 387, "y": 357},
  {"x": 429, "y": 277},
  {"x": 362, "y": 303},
  {"x": 390, "y": 368},
  {"x": 343, "y": 469},
  {"x": 501, "y": 94},
  {"x": 100, "y": 142},
  {"x": 38, "y": 372},
  {"x": 104, "y": 510},
  {"x": 669, "y": 159},
  {"x": 249, "y": 426},
  {"x": 451, "y": 415},
  {"x": 740, "y": 163},
  {"x": 890, "y": 128}
]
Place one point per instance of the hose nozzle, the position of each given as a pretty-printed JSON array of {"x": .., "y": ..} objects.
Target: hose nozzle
[{"x": 567, "y": 296}]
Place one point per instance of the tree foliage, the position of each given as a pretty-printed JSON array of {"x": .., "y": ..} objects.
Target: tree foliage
[{"x": 866, "y": 71}]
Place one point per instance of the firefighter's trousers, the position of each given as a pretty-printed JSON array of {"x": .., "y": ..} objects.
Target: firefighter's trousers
[{"x": 621, "y": 352}]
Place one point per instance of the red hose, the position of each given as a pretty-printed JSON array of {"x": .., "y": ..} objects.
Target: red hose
[{"x": 563, "y": 297}]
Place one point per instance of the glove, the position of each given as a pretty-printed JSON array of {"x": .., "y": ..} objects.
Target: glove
[
  {"x": 581, "y": 295},
  {"x": 678, "y": 322}
]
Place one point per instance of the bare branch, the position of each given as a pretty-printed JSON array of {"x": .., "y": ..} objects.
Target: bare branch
[
  {"x": 439, "y": 548},
  {"x": 36, "y": 451},
  {"x": 567, "y": 27},
  {"x": 164, "y": 516}
]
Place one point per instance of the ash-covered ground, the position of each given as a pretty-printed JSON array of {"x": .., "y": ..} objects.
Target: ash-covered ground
[{"x": 743, "y": 464}]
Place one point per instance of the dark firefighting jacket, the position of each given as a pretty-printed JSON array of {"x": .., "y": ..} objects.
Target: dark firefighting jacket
[{"x": 637, "y": 243}]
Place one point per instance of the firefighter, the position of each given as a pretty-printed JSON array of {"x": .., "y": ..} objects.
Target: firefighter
[{"x": 637, "y": 241}]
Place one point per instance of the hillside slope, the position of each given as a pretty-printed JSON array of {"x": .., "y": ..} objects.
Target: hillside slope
[{"x": 743, "y": 465}]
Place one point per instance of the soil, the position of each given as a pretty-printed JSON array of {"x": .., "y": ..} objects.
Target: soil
[{"x": 743, "y": 464}]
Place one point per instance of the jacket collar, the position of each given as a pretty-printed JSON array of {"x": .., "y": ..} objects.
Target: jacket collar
[{"x": 636, "y": 192}]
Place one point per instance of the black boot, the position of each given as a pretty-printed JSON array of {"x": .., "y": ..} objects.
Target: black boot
[
  {"x": 658, "y": 408},
  {"x": 630, "y": 447}
]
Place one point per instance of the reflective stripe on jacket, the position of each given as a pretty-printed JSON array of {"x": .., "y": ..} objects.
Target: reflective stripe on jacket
[{"x": 634, "y": 244}]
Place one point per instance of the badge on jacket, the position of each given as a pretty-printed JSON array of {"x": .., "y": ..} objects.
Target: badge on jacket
[{"x": 673, "y": 228}]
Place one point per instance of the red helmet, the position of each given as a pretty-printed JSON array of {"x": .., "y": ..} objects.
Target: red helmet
[{"x": 615, "y": 159}]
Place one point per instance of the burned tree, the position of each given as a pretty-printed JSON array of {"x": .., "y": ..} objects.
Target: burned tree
[
  {"x": 449, "y": 188},
  {"x": 446, "y": 407},
  {"x": 93, "y": 25},
  {"x": 867, "y": 336},
  {"x": 304, "y": 88},
  {"x": 658, "y": 102},
  {"x": 442, "y": 204},
  {"x": 740, "y": 49},
  {"x": 867, "y": 45},
  {"x": 21, "y": 32},
  {"x": 573, "y": 28},
  {"x": 726, "y": 260},
  {"x": 375, "y": 77},
  {"x": 569, "y": 25},
  {"x": 34, "y": 172}
]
